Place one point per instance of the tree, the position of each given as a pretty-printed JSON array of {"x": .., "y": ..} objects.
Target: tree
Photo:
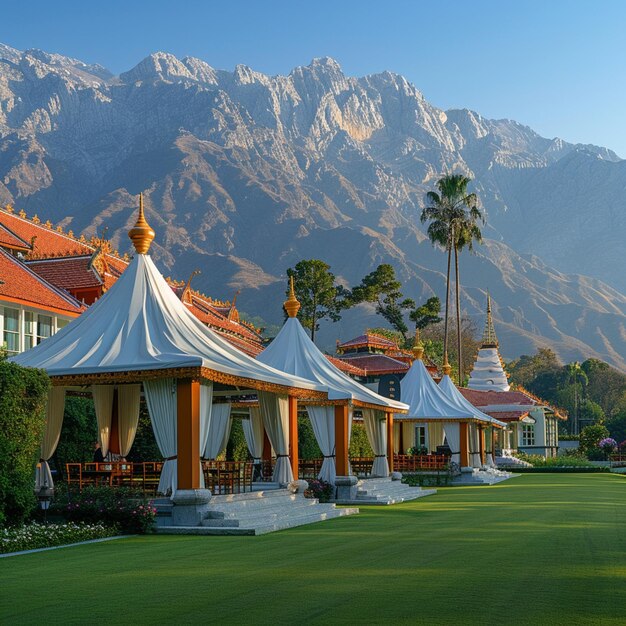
[
  {"x": 575, "y": 375},
  {"x": 320, "y": 298},
  {"x": 382, "y": 287},
  {"x": 525, "y": 370},
  {"x": 427, "y": 314},
  {"x": 453, "y": 215},
  {"x": 591, "y": 436}
]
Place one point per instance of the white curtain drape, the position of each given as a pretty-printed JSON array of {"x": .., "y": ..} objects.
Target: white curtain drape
[
  {"x": 474, "y": 444},
  {"x": 128, "y": 400},
  {"x": 206, "y": 418},
  {"x": 55, "y": 408},
  {"x": 323, "y": 423},
  {"x": 435, "y": 435},
  {"x": 219, "y": 432},
  {"x": 275, "y": 411},
  {"x": 161, "y": 401},
  {"x": 103, "y": 403},
  {"x": 253, "y": 432},
  {"x": 452, "y": 431},
  {"x": 376, "y": 429},
  {"x": 489, "y": 453}
]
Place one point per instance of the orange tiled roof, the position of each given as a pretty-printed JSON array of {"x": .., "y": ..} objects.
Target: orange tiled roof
[
  {"x": 375, "y": 364},
  {"x": 63, "y": 261},
  {"x": 49, "y": 241},
  {"x": 67, "y": 272},
  {"x": 368, "y": 339},
  {"x": 345, "y": 367},
  {"x": 11, "y": 240},
  {"x": 21, "y": 285},
  {"x": 508, "y": 416}
]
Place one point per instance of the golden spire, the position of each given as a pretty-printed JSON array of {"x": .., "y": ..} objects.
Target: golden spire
[
  {"x": 141, "y": 234},
  {"x": 418, "y": 346},
  {"x": 447, "y": 368},
  {"x": 292, "y": 306},
  {"x": 489, "y": 334}
]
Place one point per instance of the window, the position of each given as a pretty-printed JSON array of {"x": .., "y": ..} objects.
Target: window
[
  {"x": 44, "y": 327},
  {"x": 528, "y": 435},
  {"x": 11, "y": 334},
  {"x": 29, "y": 330},
  {"x": 420, "y": 436}
]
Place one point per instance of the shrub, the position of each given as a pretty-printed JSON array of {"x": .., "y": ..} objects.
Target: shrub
[
  {"x": 321, "y": 490},
  {"x": 359, "y": 443},
  {"x": 23, "y": 396},
  {"x": 307, "y": 444},
  {"x": 123, "y": 507},
  {"x": 591, "y": 436},
  {"x": 33, "y": 536},
  {"x": 78, "y": 433}
]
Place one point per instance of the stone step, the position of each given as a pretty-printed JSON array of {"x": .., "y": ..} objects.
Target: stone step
[
  {"x": 257, "y": 513},
  {"x": 301, "y": 520}
]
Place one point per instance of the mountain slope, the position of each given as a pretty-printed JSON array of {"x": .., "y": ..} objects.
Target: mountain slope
[{"x": 245, "y": 174}]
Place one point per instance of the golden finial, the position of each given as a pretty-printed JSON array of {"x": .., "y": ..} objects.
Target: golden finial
[
  {"x": 447, "y": 368},
  {"x": 418, "y": 346},
  {"x": 141, "y": 234},
  {"x": 292, "y": 306}
]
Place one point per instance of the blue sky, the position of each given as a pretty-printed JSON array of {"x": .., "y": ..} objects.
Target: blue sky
[{"x": 556, "y": 65}]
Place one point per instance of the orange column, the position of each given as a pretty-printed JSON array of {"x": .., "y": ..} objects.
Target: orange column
[
  {"x": 390, "y": 441},
  {"x": 293, "y": 435},
  {"x": 464, "y": 449},
  {"x": 188, "y": 433},
  {"x": 481, "y": 440},
  {"x": 341, "y": 440}
]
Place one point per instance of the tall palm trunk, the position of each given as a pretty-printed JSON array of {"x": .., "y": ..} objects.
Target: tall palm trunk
[
  {"x": 458, "y": 313},
  {"x": 445, "y": 326}
]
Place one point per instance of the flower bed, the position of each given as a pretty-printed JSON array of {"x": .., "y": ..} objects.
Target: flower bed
[
  {"x": 34, "y": 535},
  {"x": 125, "y": 508}
]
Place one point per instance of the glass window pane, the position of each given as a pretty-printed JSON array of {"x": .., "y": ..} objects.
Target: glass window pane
[
  {"x": 44, "y": 327},
  {"x": 12, "y": 320}
]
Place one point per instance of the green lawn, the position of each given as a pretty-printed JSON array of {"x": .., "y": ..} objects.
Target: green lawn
[{"x": 537, "y": 549}]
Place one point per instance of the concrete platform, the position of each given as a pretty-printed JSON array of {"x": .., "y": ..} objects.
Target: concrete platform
[
  {"x": 384, "y": 491},
  {"x": 480, "y": 477},
  {"x": 254, "y": 513}
]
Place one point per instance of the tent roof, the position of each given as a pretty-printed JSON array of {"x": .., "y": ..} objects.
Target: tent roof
[
  {"x": 426, "y": 400},
  {"x": 457, "y": 399},
  {"x": 293, "y": 351},
  {"x": 140, "y": 324}
]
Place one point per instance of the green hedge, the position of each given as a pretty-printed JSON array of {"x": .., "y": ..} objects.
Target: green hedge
[
  {"x": 23, "y": 396},
  {"x": 557, "y": 470}
]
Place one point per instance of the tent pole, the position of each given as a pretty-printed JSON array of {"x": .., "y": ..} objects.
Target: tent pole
[
  {"x": 188, "y": 433},
  {"x": 341, "y": 439},
  {"x": 293, "y": 435}
]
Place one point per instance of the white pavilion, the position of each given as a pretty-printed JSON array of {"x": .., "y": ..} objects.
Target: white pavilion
[
  {"x": 293, "y": 351},
  {"x": 140, "y": 336},
  {"x": 442, "y": 417}
]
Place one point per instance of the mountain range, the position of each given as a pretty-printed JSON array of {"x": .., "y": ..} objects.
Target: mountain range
[{"x": 244, "y": 174}]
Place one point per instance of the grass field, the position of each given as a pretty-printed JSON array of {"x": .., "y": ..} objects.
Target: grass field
[{"x": 537, "y": 549}]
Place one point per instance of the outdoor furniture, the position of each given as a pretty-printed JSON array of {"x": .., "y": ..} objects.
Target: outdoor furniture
[
  {"x": 362, "y": 466},
  {"x": 227, "y": 477},
  {"x": 417, "y": 462}
]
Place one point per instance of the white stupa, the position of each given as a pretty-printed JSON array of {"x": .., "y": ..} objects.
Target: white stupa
[{"x": 488, "y": 373}]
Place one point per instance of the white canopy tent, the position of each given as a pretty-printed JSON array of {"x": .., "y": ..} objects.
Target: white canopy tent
[
  {"x": 430, "y": 404},
  {"x": 140, "y": 331},
  {"x": 458, "y": 400},
  {"x": 293, "y": 351}
]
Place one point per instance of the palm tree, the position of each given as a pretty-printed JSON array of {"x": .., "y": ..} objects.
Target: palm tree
[
  {"x": 465, "y": 233},
  {"x": 453, "y": 214}
]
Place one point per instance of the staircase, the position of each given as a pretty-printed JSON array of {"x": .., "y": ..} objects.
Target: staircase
[
  {"x": 478, "y": 477},
  {"x": 386, "y": 491},
  {"x": 254, "y": 513}
]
